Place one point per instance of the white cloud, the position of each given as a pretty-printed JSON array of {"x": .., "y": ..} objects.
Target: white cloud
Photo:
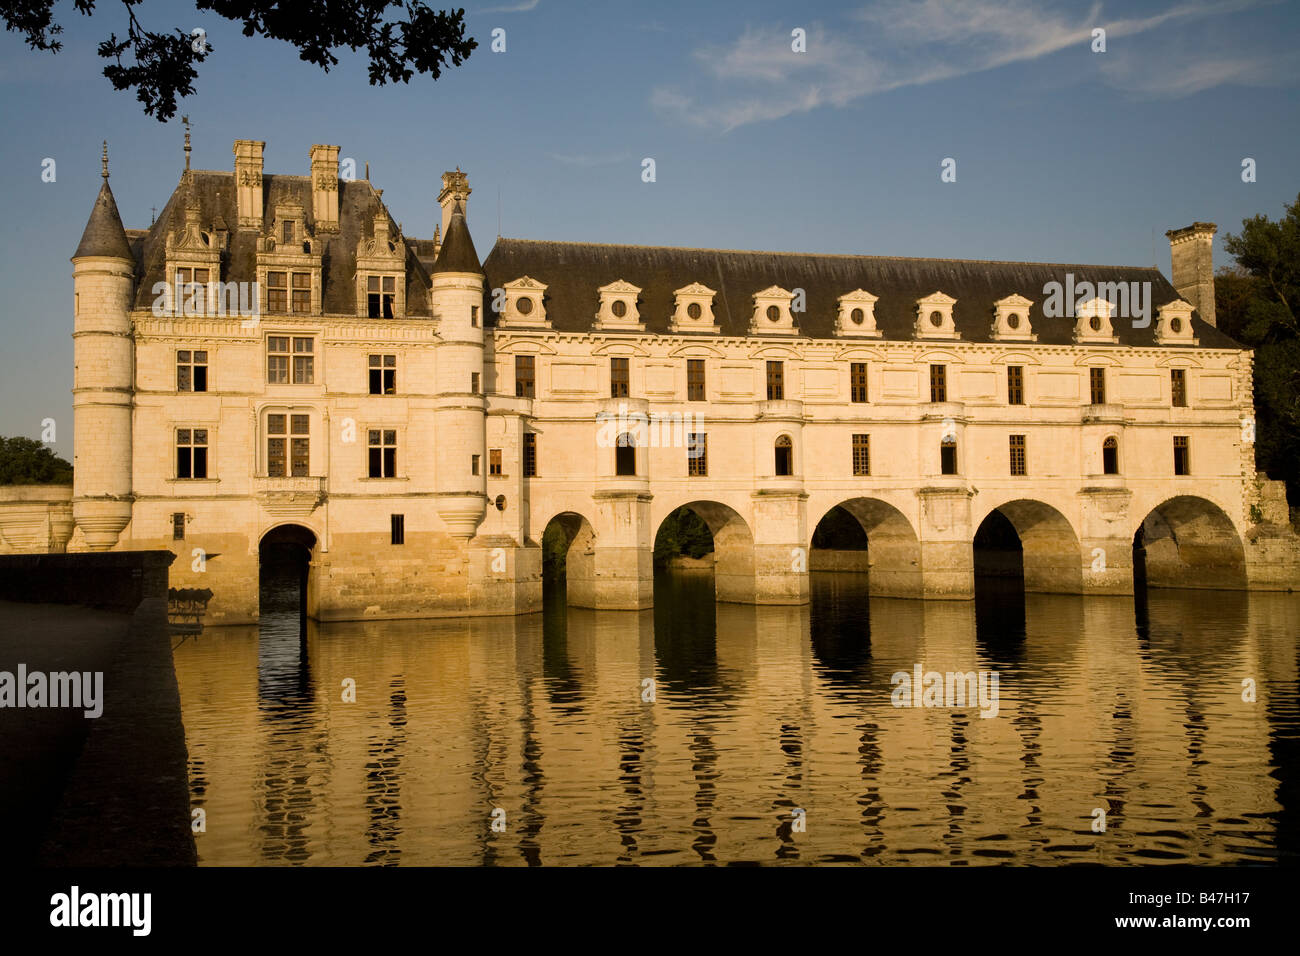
[{"x": 901, "y": 43}]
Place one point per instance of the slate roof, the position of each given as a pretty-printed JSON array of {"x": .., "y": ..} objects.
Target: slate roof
[
  {"x": 104, "y": 235},
  {"x": 359, "y": 202},
  {"x": 573, "y": 271}
]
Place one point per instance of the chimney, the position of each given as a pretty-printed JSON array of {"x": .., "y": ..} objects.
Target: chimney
[
  {"x": 455, "y": 189},
  {"x": 1191, "y": 251},
  {"x": 325, "y": 187},
  {"x": 248, "y": 183}
]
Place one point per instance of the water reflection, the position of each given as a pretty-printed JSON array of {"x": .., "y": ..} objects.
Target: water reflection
[{"x": 769, "y": 735}]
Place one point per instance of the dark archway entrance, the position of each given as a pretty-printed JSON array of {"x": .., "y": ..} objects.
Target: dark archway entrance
[
  {"x": 869, "y": 536},
  {"x": 284, "y": 570},
  {"x": 1030, "y": 544},
  {"x": 284, "y": 603},
  {"x": 1188, "y": 542},
  {"x": 568, "y": 560},
  {"x": 708, "y": 535}
]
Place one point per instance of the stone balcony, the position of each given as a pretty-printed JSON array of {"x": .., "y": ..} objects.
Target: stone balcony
[
  {"x": 785, "y": 410},
  {"x": 1103, "y": 414},
  {"x": 294, "y": 497}
]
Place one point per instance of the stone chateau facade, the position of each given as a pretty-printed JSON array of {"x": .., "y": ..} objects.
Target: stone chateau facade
[{"x": 415, "y": 418}]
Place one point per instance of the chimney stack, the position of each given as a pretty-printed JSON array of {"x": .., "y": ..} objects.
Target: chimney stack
[
  {"x": 325, "y": 187},
  {"x": 455, "y": 189},
  {"x": 248, "y": 183},
  {"x": 1191, "y": 251}
]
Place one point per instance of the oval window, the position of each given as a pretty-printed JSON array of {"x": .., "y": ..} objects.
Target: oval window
[
  {"x": 500, "y": 502},
  {"x": 694, "y": 310},
  {"x": 936, "y": 319},
  {"x": 1095, "y": 323},
  {"x": 1175, "y": 325},
  {"x": 774, "y": 313},
  {"x": 524, "y": 305},
  {"x": 619, "y": 308},
  {"x": 856, "y": 316},
  {"x": 1013, "y": 321}
]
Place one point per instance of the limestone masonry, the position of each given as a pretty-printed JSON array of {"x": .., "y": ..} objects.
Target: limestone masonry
[{"x": 273, "y": 360}]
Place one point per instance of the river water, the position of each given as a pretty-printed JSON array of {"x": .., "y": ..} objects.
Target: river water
[{"x": 703, "y": 733}]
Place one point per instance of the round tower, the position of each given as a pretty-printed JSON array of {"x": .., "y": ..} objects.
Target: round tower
[
  {"x": 459, "y": 416},
  {"x": 103, "y": 282}
]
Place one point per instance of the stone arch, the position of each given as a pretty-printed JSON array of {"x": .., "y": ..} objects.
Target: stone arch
[
  {"x": 1189, "y": 542},
  {"x": 1052, "y": 555},
  {"x": 890, "y": 551},
  {"x": 575, "y": 535},
  {"x": 283, "y": 550},
  {"x": 733, "y": 549}
]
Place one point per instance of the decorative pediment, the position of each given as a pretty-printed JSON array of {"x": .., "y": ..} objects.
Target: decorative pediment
[
  {"x": 934, "y": 317},
  {"x": 694, "y": 309},
  {"x": 1093, "y": 322},
  {"x": 857, "y": 314},
  {"x": 1174, "y": 324},
  {"x": 617, "y": 308},
  {"x": 521, "y": 304},
  {"x": 1011, "y": 319},
  {"x": 381, "y": 245},
  {"x": 773, "y": 312}
]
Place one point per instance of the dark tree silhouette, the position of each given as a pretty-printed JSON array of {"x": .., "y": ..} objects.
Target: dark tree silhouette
[
  {"x": 25, "y": 461},
  {"x": 161, "y": 66}
]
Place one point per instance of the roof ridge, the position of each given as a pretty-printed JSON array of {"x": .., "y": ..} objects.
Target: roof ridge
[{"x": 823, "y": 255}]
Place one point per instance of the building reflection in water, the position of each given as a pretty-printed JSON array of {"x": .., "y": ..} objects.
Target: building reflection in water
[{"x": 757, "y": 713}]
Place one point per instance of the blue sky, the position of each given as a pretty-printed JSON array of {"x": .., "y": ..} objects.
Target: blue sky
[{"x": 1062, "y": 154}]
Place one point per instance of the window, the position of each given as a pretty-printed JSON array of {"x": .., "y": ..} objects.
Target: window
[
  {"x": 948, "y": 456},
  {"x": 191, "y": 453},
  {"x": 302, "y": 292},
  {"x": 473, "y": 464},
  {"x": 1110, "y": 456},
  {"x": 1017, "y": 446},
  {"x": 494, "y": 462},
  {"x": 619, "y": 378},
  {"x": 191, "y": 370},
  {"x": 1015, "y": 385},
  {"x": 178, "y": 526},
  {"x": 473, "y": 316},
  {"x": 191, "y": 286},
  {"x": 397, "y": 525},
  {"x": 288, "y": 445},
  {"x": 861, "y": 454},
  {"x": 382, "y": 446},
  {"x": 938, "y": 383},
  {"x": 1178, "y": 386},
  {"x": 775, "y": 380},
  {"x": 695, "y": 379},
  {"x": 619, "y": 308},
  {"x": 277, "y": 360},
  {"x": 524, "y": 305},
  {"x": 1182, "y": 462},
  {"x": 473, "y": 382},
  {"x": 381, "y": 296},
  {"x": 858, "y": 381},
  {"x": 784, "y": 456},
  {"x": 287, "y": 232},
  {"x": 383, "y": 374},
  {"x": 625, "y": 455},
  {"x": 530, "y": 454},
  {"x": 697, "y": 455},
  {"x": 277, "y": 292},
  {"x": 1097, "y": 385},
  {"x": 524, "y": 375}
]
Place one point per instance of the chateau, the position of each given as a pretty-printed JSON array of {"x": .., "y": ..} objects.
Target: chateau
[{"x": 273, "y": 360}]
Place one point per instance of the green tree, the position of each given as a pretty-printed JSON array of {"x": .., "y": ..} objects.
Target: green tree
[
  {"x": 1257, "y": 304},
  {"x": 683, "y": 532},
  {"x": 25, "y": 461},
  {"x": 160, "y": 66}
]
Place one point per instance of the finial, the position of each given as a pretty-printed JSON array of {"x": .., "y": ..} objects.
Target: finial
[
  {"x": 105, "y": 162},
  {"x": 153, "y": 215},
  {"x": 367, "y": 170},
  {"x": 186, "y": 121}
]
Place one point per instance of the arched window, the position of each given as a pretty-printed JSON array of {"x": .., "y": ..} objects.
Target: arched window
[
  {"x": 625, "y": 455},
  {"x": 1110, "y": 456},
  {"x": 784, "y": 455},
  {"x": 948, "y": 455}
]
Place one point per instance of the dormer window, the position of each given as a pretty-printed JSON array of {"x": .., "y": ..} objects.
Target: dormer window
[
  {"x": 287, "y": 232},
  {"x": 693, "y": 309},
  {"x": 934, "y": 317},
  {"x": 617, "y": 308},
  {"x": 525, "y": 305},
  {"x": 1011, "y": 319},
  {"x": 1174, "y": 324},
  {"x": 381, "y": 297},
  {"x": 1094, "y": 322},
  {"x": 857, "y": 314},
  {"x": 773, "y": 312}
]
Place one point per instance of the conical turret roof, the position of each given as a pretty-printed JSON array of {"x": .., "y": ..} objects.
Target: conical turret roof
[
  {"x": 104, "y": 235},
  {"x": 457, "y": 253}
]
